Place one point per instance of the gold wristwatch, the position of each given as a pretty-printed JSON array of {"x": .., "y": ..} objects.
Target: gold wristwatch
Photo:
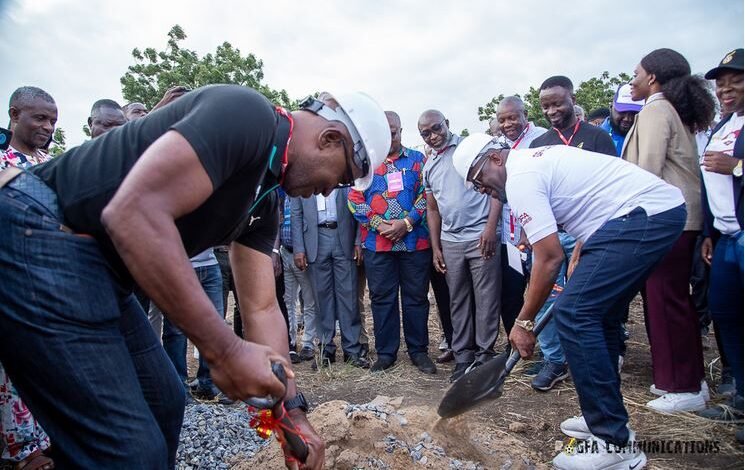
[
  {"x": 409, "y": 227},
  {"x": 737, "y": 170},
  {"x": 526, "y": 325}
]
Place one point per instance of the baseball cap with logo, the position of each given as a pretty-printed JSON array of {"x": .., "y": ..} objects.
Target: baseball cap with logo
[
  {"x": 732, "y": 62},
  {"x": 623, "y": 103}
]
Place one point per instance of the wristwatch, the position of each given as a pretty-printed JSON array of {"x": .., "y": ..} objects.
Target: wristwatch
[
  {"x": 297, "y": 402},
  {"x": 409, "y": 227},
  {"x": 526, "y": 325},
  {"x": 737, "y": 170}
]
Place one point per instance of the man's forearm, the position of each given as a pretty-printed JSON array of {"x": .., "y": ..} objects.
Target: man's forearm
[
  {"x": 434, "y": 223},
  {"x": 542, "y": 280},
  {"x": 495, "y": 211},
  {"x": 151, "y": 248}
]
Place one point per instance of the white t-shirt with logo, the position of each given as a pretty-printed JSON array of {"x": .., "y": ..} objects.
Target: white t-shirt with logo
[
  {"x": 719, "y": 189},
  {"x": 579, "y": 190}
]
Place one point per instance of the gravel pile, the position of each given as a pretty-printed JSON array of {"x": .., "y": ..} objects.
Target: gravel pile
[
  {"x": 416, "y": 451},
  {"x": 215, "y": 436}
]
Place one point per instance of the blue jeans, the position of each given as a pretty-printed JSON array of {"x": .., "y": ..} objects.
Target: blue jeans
[
  {"x": 78, "y": 346},
  {"x": 614, "y": 262},
  {"x": 174, "y": 341},
  {"x": 725, "y": 301},
  {"x": 549, "y": 337},
  {"x": 387, "y": 273}
]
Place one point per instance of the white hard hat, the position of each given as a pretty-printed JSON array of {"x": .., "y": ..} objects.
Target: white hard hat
[
  {"x": 370, "y": 132},
  {"x": 467, "y": 152}
]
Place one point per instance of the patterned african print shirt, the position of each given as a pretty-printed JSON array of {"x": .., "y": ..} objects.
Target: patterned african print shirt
[
  {"x": 13, "y": 157},
  {"x": 396, "y": 192}
]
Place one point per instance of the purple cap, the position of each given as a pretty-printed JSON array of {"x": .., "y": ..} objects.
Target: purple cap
[{"x": 623, "y": 103}]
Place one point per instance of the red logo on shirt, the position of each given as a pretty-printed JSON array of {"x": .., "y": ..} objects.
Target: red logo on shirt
[{"x": 524, "y": 219}]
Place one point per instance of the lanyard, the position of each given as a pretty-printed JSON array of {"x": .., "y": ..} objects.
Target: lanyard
[
  {"x": 520, "y": 137},
  {"x": 512, "y": 226},
  {"x": 563, "y": 139}
]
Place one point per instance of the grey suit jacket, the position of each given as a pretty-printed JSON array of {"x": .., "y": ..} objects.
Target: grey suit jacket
[{"x": 304, "y": 225}]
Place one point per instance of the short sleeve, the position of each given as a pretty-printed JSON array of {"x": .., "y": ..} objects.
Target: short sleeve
[
  {"x": 262, "y": 228},
  {"x": 528, "y": 197},
  {"x": 229, "y": 127}
]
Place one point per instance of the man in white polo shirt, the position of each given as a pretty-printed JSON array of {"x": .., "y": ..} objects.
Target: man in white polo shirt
[{"x": 627, "y": 220}]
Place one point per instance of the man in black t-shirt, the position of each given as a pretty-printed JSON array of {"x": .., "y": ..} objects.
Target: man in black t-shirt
[
  {"x": 135, "y": 204},
  {"x": 557, "y": 102}
]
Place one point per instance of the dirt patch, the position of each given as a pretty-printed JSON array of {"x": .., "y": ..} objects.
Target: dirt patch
[
  {"x": 384, "y": 434},
  {"x": 518, "y": 430}
]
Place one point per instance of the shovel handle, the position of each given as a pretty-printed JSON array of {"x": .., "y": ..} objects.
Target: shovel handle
[
  {"x": 268, "y": 402},
  {"x": 515, "y": 355}
]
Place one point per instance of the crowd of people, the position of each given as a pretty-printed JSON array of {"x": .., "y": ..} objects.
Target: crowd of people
[{"x": 123, "y": 244}]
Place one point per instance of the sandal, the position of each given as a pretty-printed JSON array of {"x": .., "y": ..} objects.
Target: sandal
[{"x": 36, "y": 461}]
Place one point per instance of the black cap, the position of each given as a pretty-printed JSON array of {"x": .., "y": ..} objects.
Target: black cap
[{"x": 731, "y": 61}]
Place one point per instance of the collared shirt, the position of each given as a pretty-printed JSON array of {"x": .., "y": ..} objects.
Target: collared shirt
[
  {"x": 326, "y": 207},
  {"x": 396, "y": 192},
  {"x": 13, "y": 157},
  {"x": 285, "y": 229},
  {"x": 618, "y": 139},
  {"x": 463, "y": 211},
  {"x": 511, "y": 228},
  {"x": 525, "y": 139}
]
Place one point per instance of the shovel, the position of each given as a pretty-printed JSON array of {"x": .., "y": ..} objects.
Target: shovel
[
  {"x": 484, "y": 382},
  {"x": 297, "y": 445}
]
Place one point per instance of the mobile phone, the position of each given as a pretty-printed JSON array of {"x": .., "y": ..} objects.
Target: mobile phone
[{"x": 5, "y": 136}]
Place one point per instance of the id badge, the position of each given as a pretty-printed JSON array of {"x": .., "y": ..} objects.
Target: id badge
[{"x": 395, "y": 182}]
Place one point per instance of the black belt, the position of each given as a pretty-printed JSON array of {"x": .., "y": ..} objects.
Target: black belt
[{"x": 328, "y": 225}]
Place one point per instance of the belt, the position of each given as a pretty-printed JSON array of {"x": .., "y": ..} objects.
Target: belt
[{"x": 331, "y": 225}]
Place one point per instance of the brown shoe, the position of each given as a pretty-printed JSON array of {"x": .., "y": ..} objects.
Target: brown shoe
[{"x": 447, "y": 356}]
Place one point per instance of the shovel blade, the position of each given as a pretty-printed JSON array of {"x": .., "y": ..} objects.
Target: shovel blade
[{"x": 480, "y": 384}]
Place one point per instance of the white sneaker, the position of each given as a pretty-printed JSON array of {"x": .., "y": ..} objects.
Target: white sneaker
[
  {"x": 595, "y": 454},
  {"x": 659, "y": 392},
  {"x": 576, "y": 427},
  {"x": 678, "y": 402}
]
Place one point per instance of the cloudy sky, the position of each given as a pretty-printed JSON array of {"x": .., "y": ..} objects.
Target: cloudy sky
[{"x": 409, "y": 55}]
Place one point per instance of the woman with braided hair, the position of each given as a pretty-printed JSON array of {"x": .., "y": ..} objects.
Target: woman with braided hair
[{"x": 662, "y": 142}]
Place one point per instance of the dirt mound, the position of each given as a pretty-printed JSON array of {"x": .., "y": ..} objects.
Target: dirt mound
[{"x": 384, "y": 435}]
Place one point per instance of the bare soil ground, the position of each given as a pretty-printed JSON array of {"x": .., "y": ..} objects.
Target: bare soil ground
[{"x": 518, "y": 430}]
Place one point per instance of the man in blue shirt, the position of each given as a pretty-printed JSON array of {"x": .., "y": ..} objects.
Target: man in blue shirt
[{"x": 623, "y": 110}]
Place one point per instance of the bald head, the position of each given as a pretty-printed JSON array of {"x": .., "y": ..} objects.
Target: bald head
[
  {"x": 394, "y": 123},
  {"x": 511, "y": 117},
  {"x": 431, "y": 114},
  {"x": 513, "y": 102},
  {"x": 434, "y": 129}
]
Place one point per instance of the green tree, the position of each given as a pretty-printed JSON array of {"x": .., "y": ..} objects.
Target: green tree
[
  {"x": 464, "y": 133},
  {"x": 156, "y": 71},
  {"x": 597, "y": 92},
  {"x": 59, "y": 144}
]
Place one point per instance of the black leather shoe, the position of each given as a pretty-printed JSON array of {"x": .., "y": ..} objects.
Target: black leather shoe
[
  {"x": 447, "y": 356},
  {"x": 382, "y": 364},
  {"x": 295, "y": 358},
  {"x": 423, "y": 363},
  {"x": 357, "y": 361},
  {"x": 306, "y": 354}
]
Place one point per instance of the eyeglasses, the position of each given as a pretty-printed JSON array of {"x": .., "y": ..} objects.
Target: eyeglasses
[
  {"x": 348, "y": 173},
  {"x": 478, "y": 185},
  {"x": 436, "y": 129}
]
